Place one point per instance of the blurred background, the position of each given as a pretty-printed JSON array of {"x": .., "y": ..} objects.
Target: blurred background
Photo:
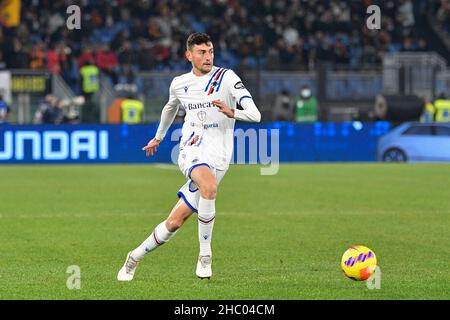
[{"x": 331, "y": 85}]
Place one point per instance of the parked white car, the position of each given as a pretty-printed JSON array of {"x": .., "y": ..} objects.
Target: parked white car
[{"x": 416, "y": 142}]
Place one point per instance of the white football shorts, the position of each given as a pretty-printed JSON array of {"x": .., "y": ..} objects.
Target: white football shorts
[{"x": 189, "y": 191}]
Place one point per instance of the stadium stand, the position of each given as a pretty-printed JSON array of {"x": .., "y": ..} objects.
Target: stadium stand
[
  {"x": 149, "y": 35},
  {"x": 126, "y": 37}
]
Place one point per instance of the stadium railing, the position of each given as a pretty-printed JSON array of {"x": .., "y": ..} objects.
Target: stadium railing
[{"x": 413, "y": 73}]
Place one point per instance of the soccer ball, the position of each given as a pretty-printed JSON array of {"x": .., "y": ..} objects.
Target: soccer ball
[{"x": 358, "y": 263}]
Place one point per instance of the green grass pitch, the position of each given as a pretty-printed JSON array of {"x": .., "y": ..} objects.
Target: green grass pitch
[{"x": 275, "y": 237}]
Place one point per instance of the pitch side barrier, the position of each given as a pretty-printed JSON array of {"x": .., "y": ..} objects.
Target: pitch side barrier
[{"x": 265, "y": 143}]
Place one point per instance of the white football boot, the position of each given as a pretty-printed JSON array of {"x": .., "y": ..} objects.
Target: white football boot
[
  {"x": 126, "y": 273},
  {"x": 204, "y": 267}
]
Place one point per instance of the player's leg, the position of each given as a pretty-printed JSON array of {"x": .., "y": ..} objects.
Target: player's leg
[
  {"x": 180, "y": 213},
  {"x": 207, "y": 184},
  {"x": 164, "y": 231},
  {"x": 160, "y": 235}
]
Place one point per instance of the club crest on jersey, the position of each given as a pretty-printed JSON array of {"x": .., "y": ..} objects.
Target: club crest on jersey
[
  {"x": 201, "y": 115},
  {"x": 185, "y": 89}
]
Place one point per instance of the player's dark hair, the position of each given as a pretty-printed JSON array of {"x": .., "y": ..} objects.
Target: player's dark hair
[{"x": 197, "y": 38}]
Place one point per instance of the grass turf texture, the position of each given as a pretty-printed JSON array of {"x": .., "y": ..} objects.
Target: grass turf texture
[{"x": 276, "y": 237}]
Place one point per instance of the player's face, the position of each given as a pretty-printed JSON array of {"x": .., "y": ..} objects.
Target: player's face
[{"x": 202, "y": 57}]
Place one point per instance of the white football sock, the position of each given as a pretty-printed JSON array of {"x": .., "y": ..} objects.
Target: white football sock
[
  {"x": 206, "y": 218},
  {"x": 159, "y": 236}
]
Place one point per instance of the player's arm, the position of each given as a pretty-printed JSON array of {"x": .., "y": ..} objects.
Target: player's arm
[
  {"x": 249, "y": 112},
  {"x": 167, "y": 116}
]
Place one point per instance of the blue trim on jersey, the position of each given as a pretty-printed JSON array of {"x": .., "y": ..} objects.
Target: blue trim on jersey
[
  {"x": 199, "y": 141},
  {"x": 243, "y": 98},
  {"x": 189, "y": 137},
  {"x": 220, "y": 81},
  {"x": 212, "y": 77},
  {"x": 196, "y": 165},
  {"x": 181, "y": 195}
]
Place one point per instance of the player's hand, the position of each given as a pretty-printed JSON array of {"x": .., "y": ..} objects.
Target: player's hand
[
  {"x": 226, "y": 110},
  {"x": 151, "y": 146}
]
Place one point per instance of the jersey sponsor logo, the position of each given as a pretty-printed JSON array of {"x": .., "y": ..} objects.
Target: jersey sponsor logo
[
  {"x": 239, "y": 85},
  {"x": 205, "y": 126},
  {"x": 210, "y": 125},
  {"x": 200, "y": 105}
]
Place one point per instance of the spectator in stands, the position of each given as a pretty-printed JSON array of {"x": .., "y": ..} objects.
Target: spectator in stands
[
  {"x": 442, "y": 106},
  {"x": 340, "y": 52},
  {"x": 49, "y": 102},
  {"x": 299, "y": 33},
  {"x": 283, "y": 107},
  {"x": 408, "y": 44},
  {"x": 126, "y": 54},
  {"x": 16, "y": 55},
  {"x": 86, "y": 55},
  {"x": 54, "y": 59},
  {"x": 128, "y": 78},
  {"x": 38, "y": 56},
  {"x": 422, "y": 45},
  {"x": 107, "y": 62},
  {"x": 69, "y": 70},
  {"x": 429, "y": 111},
  {"x": 90, "y": 84},
  {"x": 306, "y": 106},
  {"x": 131, "y": 110},
  {"x": 145, "y": 59},
  {"x": 4, "y": 110},
  {"x": 54, "y": 113},
  {"x": 405, "y": 14},
  {"x": 443, "y": 11}
]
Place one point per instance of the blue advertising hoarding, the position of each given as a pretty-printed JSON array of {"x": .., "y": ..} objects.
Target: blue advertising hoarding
[{"x": 254, "y": 143}]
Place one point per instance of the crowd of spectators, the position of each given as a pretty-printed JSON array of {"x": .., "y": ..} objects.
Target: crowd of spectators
[
  {"x": 123, "y": 37},
  {"x": 441, "y": 10}
]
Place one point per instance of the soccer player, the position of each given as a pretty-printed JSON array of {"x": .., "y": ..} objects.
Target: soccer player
[{"x": 214, "y": 98}]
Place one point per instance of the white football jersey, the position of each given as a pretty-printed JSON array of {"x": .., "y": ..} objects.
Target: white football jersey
[{"x": 214, "y": 130}]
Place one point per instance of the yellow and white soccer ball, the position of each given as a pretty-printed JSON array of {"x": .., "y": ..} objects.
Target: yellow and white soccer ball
[{"x": 358, "y": 263}]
